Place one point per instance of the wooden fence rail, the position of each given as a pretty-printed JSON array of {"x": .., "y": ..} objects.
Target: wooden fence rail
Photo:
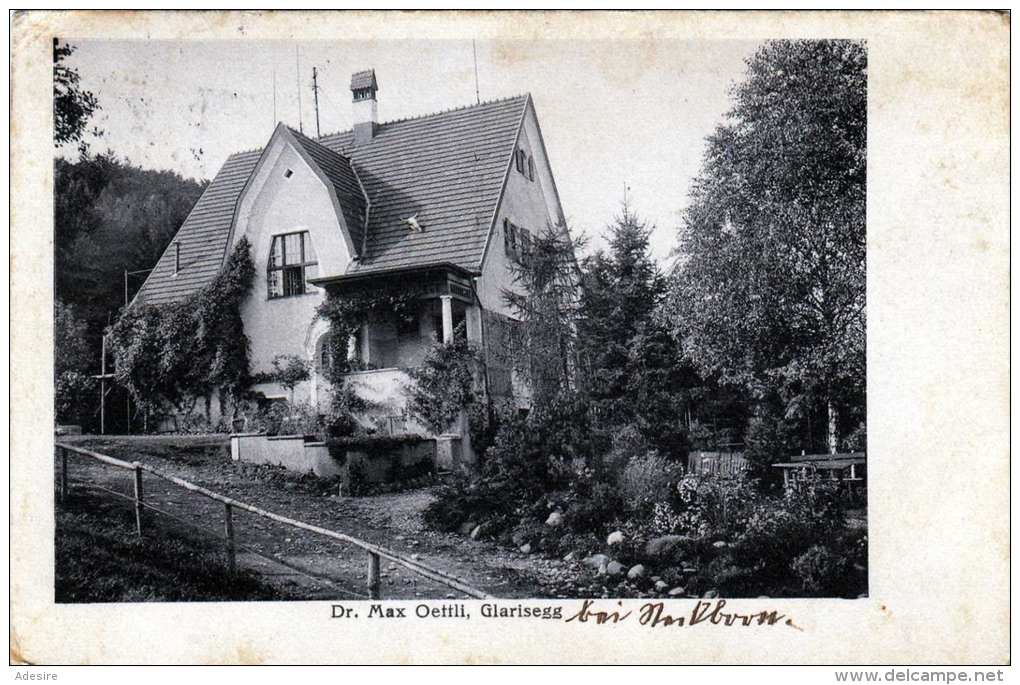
[{"x": 374, "y": 552}]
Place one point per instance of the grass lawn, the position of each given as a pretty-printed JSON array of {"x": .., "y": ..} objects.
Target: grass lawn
[{"x": 100, "y": 559}]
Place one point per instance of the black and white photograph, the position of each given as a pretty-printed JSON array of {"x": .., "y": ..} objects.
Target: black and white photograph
[
  {"x": 486, "y": 358},
  {"x": 468, "y": 326}
]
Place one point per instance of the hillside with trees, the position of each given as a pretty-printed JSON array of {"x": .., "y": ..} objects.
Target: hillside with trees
[{"x": 110, "y": 216}]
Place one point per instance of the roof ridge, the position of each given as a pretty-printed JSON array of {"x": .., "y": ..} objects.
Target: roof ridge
[
  {"x": 416, "y": 117},
  {"x": 302, "y": 138},
  {"x": 384, "y": 123}
]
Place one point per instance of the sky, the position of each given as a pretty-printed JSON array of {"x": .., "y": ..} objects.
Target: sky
[{"x": 614, "y": 114}]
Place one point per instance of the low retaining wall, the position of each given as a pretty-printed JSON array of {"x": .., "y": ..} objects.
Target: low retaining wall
[
  {"x": 296, "y": 453},
  {"x": 290, "y": 451}
]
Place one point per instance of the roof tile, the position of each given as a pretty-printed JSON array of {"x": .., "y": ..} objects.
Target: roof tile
[{"x": 446, "y": 168}]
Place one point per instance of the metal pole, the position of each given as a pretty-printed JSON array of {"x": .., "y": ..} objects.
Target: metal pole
[
  {"x": 373, "y": 575},
  {"x": 315, "y": 90},
  {"x": 63, "y": 473},
  {"x": 125, "y": 288},
  {"x": 138, "y": 498},
  {"x": 228, "y": 525},
  {"x": 102, "y": 391}
]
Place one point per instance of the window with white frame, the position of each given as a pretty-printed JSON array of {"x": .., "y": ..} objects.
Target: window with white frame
[{"x": 292, "y": 261}]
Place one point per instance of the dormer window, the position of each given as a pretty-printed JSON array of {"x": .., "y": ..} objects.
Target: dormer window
[
  {"x": 292, "y": 261},
  {"x": 531, "y": 169}
]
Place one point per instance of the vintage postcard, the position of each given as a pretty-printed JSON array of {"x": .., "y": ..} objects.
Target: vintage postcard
[{"x": 524, "y": 337}]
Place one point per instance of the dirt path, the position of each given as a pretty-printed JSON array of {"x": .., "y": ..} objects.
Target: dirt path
[{"x": 328, "y": 570}]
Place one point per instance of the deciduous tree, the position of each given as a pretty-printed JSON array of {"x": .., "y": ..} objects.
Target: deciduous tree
[{"x": 770, "y": 288}]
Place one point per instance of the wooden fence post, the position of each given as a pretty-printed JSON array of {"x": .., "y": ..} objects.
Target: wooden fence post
[
  {"x": 228, "y": 524},
  {"x": 63, "y": 473},
  {"x": 138, "y": 498},
  {"x": 373, "y": 575}
]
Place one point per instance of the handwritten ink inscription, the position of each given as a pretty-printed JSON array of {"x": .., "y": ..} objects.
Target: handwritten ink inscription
[{"x": 654, "y": 615}]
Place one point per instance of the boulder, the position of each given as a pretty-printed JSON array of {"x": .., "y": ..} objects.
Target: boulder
[
  {"x": 615, "y": 538},
  {"x": 477, "y": 531},
  {"x": 555, "y": 520},
  {"x": 719, "y": 544},
  {"x": 636, "y": 572},
  {"x": 676, "y": 592},
  {"x": 615, "y": 568},
  {"x": 711, "y": 594},
  {"x": 661, "y": 586},
  {"x": 526, "y": 549},
  {"x": 597, "y": 561},
  {"x": 664, "y": 547}
]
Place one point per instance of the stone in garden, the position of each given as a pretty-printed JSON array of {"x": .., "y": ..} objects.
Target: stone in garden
[
  {"x": 655, "y": 579},
  {"x": 597, "y": 561},
  {"x": 664, "y": 547},
  {"x": 719, "y": 544},
  {"x": 526, "y": 548},
  {"x": 711, "y": 594},
  {"x": 676, "y": 592},
  {"x": 555, "y": 519},
  {"x": 615, "y": 538},
  {"x": 466, "y": 527},
  {"x": 636, "y": 572},
  {"x": 476, "y": 532},
  {"x": 660, "y": 585},
  {"x": 615, "y": 568}
]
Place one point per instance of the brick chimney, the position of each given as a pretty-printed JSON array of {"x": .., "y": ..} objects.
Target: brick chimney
[{"x": 363, "y": 87}]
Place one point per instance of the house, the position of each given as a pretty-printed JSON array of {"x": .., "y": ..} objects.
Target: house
[{"x": 445, "y": 200}]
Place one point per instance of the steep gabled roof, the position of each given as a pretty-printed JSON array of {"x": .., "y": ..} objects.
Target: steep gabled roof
[
  {"x": 446, "y": 168},
  {"x": 345, "y": 182}
]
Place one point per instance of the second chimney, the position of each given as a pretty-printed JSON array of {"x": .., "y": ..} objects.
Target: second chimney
[{"x": 363, "y": 86}]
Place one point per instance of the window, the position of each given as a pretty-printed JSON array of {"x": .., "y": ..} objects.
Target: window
[
  {"x": 292, "y": 262},
  {"x": 517, "y": 241},
  {"x": 531, "y": 169}
]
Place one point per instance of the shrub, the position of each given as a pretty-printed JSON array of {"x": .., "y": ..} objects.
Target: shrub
[
  {"x": 286, "y": 418},
  {"x": 444, "y": 384},
  {"x": 488, "y": 500},
  {"x": 820, "y": 570},
  {"x": 647, "y": 480},
  {"x": 74, "y": 392}
]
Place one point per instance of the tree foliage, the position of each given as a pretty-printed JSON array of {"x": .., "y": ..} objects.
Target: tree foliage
[
  {"x": 73, "y": 362},
  {"x": 176, "y": 352},
  {"x": 111, "y": 216},
  {"x": 72, "y": 105},
  {"x": 769, "y": 293},
  {"x": 544, "y": 299}
]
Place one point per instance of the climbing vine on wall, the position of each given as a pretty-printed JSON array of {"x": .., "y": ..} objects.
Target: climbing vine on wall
[
  {"x": 175, "y": 352},
  {"x": 347, "y": 311},
  {"x": 444, "y": 384}
]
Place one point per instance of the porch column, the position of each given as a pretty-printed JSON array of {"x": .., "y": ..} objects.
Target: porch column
[{"x": 447, "y": 318}]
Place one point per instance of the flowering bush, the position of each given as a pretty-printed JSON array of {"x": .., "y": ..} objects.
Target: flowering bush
[{"x": 649, "y": 480}]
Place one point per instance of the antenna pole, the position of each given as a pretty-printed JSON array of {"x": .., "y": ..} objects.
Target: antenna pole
[
  {"x": 274, "y": 98},
  {"x": 301, "y": 123},
  {"x": 474, "y": 52},
  {"x": 315, "y": 90}
]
